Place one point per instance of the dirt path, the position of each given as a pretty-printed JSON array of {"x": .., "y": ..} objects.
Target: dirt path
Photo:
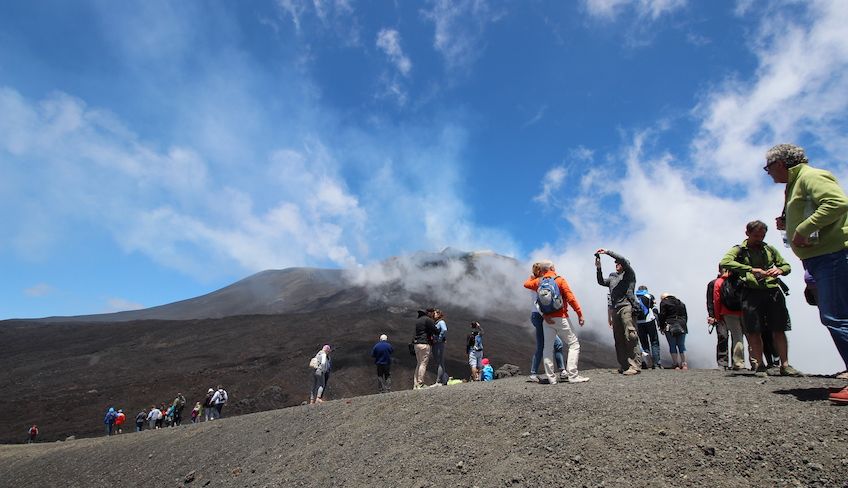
[{"x": 660, "y": 428}]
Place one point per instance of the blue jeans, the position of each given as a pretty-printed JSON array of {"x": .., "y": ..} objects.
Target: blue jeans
[
  {"x": 439, "y": 356},
  {"x": 831, "y": 274},
  {"x": 536, "y": 319},
  {"x": 649, "y": 339},
  {"x": 676, "y": 343}
]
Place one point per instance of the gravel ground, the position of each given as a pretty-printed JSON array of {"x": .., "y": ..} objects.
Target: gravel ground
[{"x": 661, "y": 428}]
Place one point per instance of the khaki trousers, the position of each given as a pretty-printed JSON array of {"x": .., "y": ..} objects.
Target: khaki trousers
[
  {"x": 422, "y": 355},
  {"x": 627, "y": 349}
]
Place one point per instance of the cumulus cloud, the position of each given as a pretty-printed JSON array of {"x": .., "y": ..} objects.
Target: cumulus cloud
[
  {"x": 39, "y": 290},
  {"x": 799, "y": 93},
  {"x": 673, "y": 227}
]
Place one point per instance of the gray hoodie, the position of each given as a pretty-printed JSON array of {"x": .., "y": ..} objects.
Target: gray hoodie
[{"x": 621, "y": 285}]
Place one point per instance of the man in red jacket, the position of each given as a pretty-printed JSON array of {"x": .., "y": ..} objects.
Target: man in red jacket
[
  {"x": 556, "y": 319},
  {"x": 725, "y": 320}
]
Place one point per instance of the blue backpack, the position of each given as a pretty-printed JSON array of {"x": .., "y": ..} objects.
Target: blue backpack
[{"x": 548, "y": 296}]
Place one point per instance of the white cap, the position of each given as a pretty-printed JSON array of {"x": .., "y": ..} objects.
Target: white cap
[{"x": 384, "y": 337}]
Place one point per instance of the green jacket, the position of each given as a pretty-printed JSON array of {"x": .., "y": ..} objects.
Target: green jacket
[
  {"x": 749, "y": 258},
  {"x": 812, "y": 189}
]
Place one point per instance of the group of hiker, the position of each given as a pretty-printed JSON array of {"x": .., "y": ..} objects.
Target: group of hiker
[{"x": 168, "y": 415}]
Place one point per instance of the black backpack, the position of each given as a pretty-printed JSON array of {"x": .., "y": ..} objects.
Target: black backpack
[{"x": 730, "y": 293}]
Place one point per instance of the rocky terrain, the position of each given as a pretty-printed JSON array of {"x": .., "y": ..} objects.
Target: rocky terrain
[{"x": 662, "y": 428}]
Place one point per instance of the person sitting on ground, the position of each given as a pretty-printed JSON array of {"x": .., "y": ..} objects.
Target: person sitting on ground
[
  {"x": 33, "y": 433},
  {"x": 488, "y": 372},
  {"x": 474, "y": 348},
  {"x": 727, "y": 322},
  {"x": 622, "y": 286},
  {"x": 320, "y": 361},
  {"x": 382, "y": 354},
  {"x": 673, "y": 321},
  {"x": 553, "y": 296}
]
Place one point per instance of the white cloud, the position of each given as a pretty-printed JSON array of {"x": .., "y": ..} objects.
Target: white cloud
[
  {"x": 121, "y": 305},
  {"x": 39, "y": 290},
  {"x": 644, "y": 9},
  {"x": 389, "y": 41},
  {"x": 459, "y": 28},
  {"x": 536, "y": 118},
  {"x": 337, "y": 16},
  {"x": 551, "y": 183},
  {"x": 672, "y": 227},
  {"x": 799, "y": 92}
]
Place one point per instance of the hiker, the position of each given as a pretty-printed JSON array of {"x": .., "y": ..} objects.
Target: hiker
[
  {"x": 646, "y": 327},
  {"x": 553, "y": 296},
  {"x": 488, "y": 372},
  {"x": 439, "y": 347},
  {"x": 621, "y": 285},
  {"x": 139, "y": 420},
  {"x": 536, "y": 319},
  {"x": 195, "y": 412},
  {"x": 179, "y": 404},
  {"x": 815, "y": 218},
  {"x": 763, "y": 304},
  {"x": 163, "y": 412},
  {"x": 33, "y": 433},
  {"x": 319, "y": 362},
  {"x": 120, "y": 418},
  {"x": 726, "y": 322},
  {"x": 474, "y": 348},
  {"x": 673, "y": 322},
  {"x": 109, "y": 420},
  {"x": 154, "y": 417},
  {"x": 219, "y": 399},
  {"x": 425, "y": 331},
  {"x": 169, "y": 417},
  {"x": 382, "y": 354},
  {"x": 208, "y": 406}
]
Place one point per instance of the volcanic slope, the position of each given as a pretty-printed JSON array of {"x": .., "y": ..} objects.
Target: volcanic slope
[
  {"x": 63, "y": 377},
  {"x": 662, "y": 428}
]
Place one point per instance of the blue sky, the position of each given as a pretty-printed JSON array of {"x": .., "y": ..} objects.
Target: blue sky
[{"x": 155, "y": 151}]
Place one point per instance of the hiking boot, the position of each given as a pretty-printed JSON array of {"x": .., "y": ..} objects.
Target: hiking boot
[
  {"x": 563, "y": 375},
  {"x": 840, "y": 396},
  {"x": 761, "y": 371},
  {"x": 533, "y": 378},
  {"x": 754, "y": 365},
  {"x": 578, "y": 379},
  {"x": 787, "y": 370},
  {"x": 631, "y": 371}
]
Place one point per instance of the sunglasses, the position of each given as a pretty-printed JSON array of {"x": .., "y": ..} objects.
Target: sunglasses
[{"x": 768, "y": 166}]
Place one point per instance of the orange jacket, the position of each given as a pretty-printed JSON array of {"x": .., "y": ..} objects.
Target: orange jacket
[
  {"x": 120, "y": 418},
  {"x": 567, "y": 295}
]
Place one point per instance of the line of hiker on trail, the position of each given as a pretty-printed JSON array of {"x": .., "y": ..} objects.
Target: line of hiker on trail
[{"x": 168, "y": 415}]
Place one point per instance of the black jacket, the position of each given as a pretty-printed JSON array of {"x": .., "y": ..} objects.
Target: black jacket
[
  {"x": 425, "y": 330},
  {"x": 673, "y": 316}
]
